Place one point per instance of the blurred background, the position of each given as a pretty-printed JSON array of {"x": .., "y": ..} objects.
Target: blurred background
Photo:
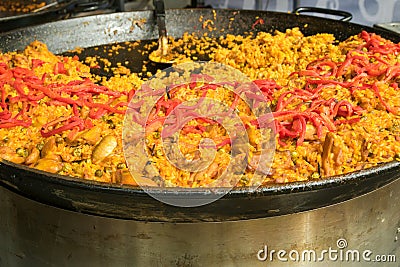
[
  {"x": 21, "y": 13},
  {"x": 366, "y": 12}
]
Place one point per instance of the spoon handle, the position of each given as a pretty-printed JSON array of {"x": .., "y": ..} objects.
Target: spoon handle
[{"x": 160, "y": 15}]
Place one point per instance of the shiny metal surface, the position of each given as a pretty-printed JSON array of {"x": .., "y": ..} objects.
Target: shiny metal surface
[
  {"x": 390, "y": 26},
  {"x": 33, "y": 234}
]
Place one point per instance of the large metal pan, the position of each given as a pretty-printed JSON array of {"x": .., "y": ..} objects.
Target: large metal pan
[
  {"x": 52, "y": 11},
  {"x": 133, "y": 203}
]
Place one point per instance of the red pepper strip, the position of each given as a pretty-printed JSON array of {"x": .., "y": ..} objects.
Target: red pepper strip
[
  {"x": 103, "y": 106},
  {"x": 283, "y": 115},
  {"x": 71, "y": 123},
  {"x": 9, "y": 122},
  {"x": 204, "y": 119},
  {"x": 19, "y": 87},
  {"x": 121, "y": 104},
  {"x": 151, "y": 122},
  {"x": 234, "y": 103},
  {"x": 5, "y": 115},
  {"x": 169, "y": 130},
  {"x": 365, "y": 35},
  {"x": 131, "y": 94},
  {"x": 392, "y": 72},
  {"x": 139, "y": 120},
  {"x": 86, "y": 86},
  {"x": 100, "y": 111},
  {"x": 267, "y": 84},
  {"x": 377, "y": 58},
  {"x": 30, "y": 88},
  {"x": 6, "y": 76},
  {"x": 183, "y": 108},
  {"x": 93, "y": 88},
  {"x": 75, "y": 110},
  {"x": 44, "y": 77},
  {"x": 72, "y": 134},
  {"x": 303, "y": 130},
  {"x": 316, "y": 121},
  {"x": 281, "y": 103},
  {"x": 267, "y": 87},
  {"x": 327, "y": 122},
  {"x": 258, "y": 21},
  {"x": 168, "y": 105},
  {"x": 344, "y": 65},
  {"x": 93, "y": 114},
  {"x": 151, "y": 92},
  {"x": 318, "y": 67},
  {"x": 360, "y": 60},
  {"x": 373, "y": 70},
  {"x": 373, "y": 43},
  {"x": 59, "y": 68},
  {"x": 160, "y": 104},
  {"x": 209, "y": 86},
  {"x": 3, "y": 67},
  {"x": 3, "y": 103},
  {"x": 306, "y": 93},
  {"x": 263, "y": 121},
  {"x": 21, "y": 113},
  {"x": 193, "y": 129},
  {"x": 281, "y": 143},
  {"x": 257, "y": 98},
  {"x": 192, "y": 85},
  {"x": 224, "y": 142},
  {"x": 176, "y": 122},
  {"x": 285, "y": 132},
  {"x": 346, "y": 112},
  {"x": 88, "y": 124},
  {"x": 14, "y": 123},
  {"x": 54, "y": 122},
  {"x": 48, "y": 92},
  {"x": 315, "y": 104},
  {"x": 202, "y": 128},
  {"x": 201, "y": 78},
  {"x": 136, "y": 105},
  {"x": 17, "y": 99},
  {"x": 378, "y": 94},
  {"x": 174, "y": 88},
  {"x": 152, "y": 115},
  {"x": 293, "y": 128},
  {"x": 19, "y": 72},
  {"x": 35, "y": 97}
]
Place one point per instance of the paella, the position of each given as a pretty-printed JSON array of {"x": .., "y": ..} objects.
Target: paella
[{"x": 334, "y": 105}]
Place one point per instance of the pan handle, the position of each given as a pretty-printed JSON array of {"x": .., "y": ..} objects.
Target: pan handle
[{"x": 347, "y": 16}]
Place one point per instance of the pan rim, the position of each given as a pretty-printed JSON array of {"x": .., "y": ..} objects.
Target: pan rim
[
  {"x": 242, "y": 204},
  {"x": 284, "y": 188},
  {"x": 299, "y": 186}
]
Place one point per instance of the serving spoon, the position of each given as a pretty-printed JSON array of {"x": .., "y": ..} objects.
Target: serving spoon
[
  {"x": 163, "y": 54},
  {"x": 47, "y": 6}
]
